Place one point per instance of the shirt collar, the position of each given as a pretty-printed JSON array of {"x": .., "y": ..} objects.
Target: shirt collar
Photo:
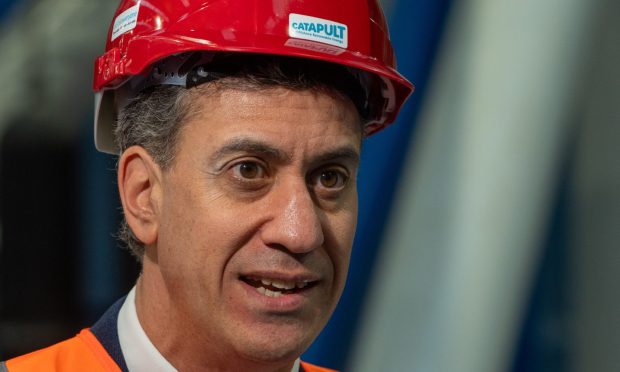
[{"x": 140, "y": 353}]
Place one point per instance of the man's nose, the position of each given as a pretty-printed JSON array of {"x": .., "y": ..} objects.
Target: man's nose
[{"x": 295, "y": 221}]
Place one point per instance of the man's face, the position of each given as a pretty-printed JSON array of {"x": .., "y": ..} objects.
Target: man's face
[{"x": 257, "y": 219}]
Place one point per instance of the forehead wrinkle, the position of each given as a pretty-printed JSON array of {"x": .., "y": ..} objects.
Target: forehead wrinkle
[
  {"x": 250, "y": 101},
  {"x": 334, "y": 107}
]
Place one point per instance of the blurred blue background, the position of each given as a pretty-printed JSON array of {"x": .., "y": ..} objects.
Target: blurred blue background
[{"x": 489, "y": 214}]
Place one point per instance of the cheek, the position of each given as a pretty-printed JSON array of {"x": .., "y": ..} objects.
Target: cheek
[
  {"x": 347, "y": 221},
  {"x": 182, "y": 234},
  {"x": 200, "y": 230},
  {"x": 341, "y": 234},
  {"x": 177, "y": 244}
]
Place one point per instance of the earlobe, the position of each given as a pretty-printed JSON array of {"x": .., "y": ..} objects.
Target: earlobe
[{"x": 139, "y": 188}]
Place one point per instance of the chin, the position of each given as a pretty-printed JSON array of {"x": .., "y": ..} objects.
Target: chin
[{"x": 275, "y": 347}]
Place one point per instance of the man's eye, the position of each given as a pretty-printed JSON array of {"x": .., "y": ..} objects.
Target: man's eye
[
  {"x": 249, "y": 170},
  {"x": 332, "y": 179}
]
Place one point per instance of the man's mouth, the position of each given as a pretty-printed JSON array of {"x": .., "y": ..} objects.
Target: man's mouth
[{"x": 276, "y": 287}]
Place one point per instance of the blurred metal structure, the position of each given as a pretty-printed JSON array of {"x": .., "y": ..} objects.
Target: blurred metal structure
[
  {"x": 463, "y": 248},
  {"x": 594, "y": 219},
  {"x": 48, "y": 48}
]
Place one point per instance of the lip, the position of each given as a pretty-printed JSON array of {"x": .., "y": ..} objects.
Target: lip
[
  {"x": 286, "y": 277},
  {"x": 285, "y": 303}
]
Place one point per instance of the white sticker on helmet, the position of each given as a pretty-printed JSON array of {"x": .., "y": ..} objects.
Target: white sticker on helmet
[
  {"x": 126, "y": 21},
  {"x": 318, "y": 29}
]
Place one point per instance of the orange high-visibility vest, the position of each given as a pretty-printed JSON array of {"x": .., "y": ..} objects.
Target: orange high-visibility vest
[
  {"x": 80, "y": 353},
  {"x": 83, "y": 353},
  {"x": 307, "y": 367}
]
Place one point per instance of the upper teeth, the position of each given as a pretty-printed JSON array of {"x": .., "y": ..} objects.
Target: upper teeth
[
  {"x": 279, "y": 284},
  {"x": 283, "y": 285}
]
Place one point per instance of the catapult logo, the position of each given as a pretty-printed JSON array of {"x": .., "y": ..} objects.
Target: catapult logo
[
  {"x": 126, "y": 21},
  {"x": 318, "y": 29}
]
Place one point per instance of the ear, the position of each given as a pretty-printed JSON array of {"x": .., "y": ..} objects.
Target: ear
[{"x": 139, "y": 186}]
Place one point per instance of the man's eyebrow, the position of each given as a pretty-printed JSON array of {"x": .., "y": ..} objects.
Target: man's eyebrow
[
  {"x": 249, "y": 145},
  {"x": 253, "y": 146},
  {"x": 346, "y": 153}
]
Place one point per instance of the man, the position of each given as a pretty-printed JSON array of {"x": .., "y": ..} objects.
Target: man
[{"x": 239, "y": 126}]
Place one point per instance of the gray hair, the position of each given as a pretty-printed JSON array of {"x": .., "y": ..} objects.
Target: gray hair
[{"x": 153, "y": 119}]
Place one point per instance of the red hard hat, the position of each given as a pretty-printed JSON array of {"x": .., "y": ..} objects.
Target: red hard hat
[{"x": 352, "y": 33}]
